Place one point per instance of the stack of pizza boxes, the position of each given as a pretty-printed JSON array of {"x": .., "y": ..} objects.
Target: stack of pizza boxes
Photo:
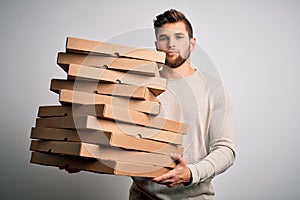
[{"x": 107, "y": 120}]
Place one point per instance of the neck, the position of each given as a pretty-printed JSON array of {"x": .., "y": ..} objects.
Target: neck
[{"x": 182, "y": 71}]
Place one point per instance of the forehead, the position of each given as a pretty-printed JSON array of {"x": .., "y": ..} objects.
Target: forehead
[{"x": 172, "y": 28}]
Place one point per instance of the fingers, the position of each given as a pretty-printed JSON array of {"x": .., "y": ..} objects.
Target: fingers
[
  {"x": 173, "y": 184},
  {"x": 164, "y": 177},
  {"x": 169, "y": 179},
  {"x": 175, "y": 176},
  {"x": 69, "y": 170},
  {"x": 175, "y": 157},
  {"x": 72, "y": 171},
  {"x": 178, "y": 159}
]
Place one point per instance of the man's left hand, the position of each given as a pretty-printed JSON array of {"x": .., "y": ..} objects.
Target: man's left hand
[{"x": 180, "y": 174}]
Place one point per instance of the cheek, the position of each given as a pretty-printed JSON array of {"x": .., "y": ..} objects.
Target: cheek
[
  {"x": 160, "y": 46},
  {"x": 185, "y": 49},
  {"x": 183, "y": 45}
]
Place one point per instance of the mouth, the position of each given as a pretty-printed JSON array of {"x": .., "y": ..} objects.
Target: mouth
[{"x": 172, "y": 53}]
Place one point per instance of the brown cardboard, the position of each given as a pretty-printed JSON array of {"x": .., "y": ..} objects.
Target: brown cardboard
[
  {"x": 89, "y": 46},
  {"x": 103, "y": 152},
  {"x": 131, "y": 142},
  {"x": 77, "y": 97},
  {"x": 71, "y": 135},
  {"x": 98, "y": 166},
  {"x": 135, "y": 92},
  {"x": 87, "y": 136},
  {"x": 134, "y": 143},
  {"x": 94, "y": 123},
  {"x": 91, "y": 136},
  {"x": 114, "y": 113},
  {"x": 81, "y": 72},
  {"x": 143, "y": 67}
]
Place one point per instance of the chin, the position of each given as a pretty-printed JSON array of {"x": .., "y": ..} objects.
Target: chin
[{"x": 176, "y": 62}]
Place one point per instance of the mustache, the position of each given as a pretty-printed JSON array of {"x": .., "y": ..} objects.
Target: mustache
[{"x": 172, "y": 51}]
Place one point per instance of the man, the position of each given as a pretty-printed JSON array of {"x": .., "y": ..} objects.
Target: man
[{"x": 199, "y": 100}]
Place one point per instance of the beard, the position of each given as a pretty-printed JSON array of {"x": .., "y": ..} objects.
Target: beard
[{"x": 176, "y": 62}]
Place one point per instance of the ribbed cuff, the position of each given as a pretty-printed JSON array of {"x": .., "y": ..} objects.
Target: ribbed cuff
[{"x": 194, "y": 174}]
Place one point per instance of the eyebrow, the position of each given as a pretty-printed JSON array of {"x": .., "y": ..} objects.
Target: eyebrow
[
  {"x": 179, "y": 34},
  {"x": 176, "y": 34}
]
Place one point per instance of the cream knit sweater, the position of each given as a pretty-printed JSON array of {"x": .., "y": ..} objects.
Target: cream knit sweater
[{"x": 201, "y": 102}]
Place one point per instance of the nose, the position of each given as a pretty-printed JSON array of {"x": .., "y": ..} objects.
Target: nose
[{"x": 171, "y": 42}]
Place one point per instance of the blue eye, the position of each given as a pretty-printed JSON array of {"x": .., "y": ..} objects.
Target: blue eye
[
  {"x": 163, "y": 39},
  {"x": 179, "y": 37}
]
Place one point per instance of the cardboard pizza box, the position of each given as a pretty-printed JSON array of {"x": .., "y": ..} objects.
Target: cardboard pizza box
[
  {"x": 77, "y": 97},
  {"x": 111, "y": 139},
  {"x": 144, "y": 67},
  {"x": 81, "y": 72},
  {"x": 122, "y": 90},
  {"x": 89, "y": 135},
  {"x": 103, "y": 152},
  {"x": 84, "y": 46},
  {"x": 114, "y": 113},
  {"x": 94, "y": 123},
  {"x": 98, "y": 166}
]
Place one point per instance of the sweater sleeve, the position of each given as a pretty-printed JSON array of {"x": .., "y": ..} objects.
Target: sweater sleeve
[{"x": 221, "y": 138}]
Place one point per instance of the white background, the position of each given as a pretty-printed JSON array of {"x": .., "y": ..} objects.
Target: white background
[{"x": 253, "y": 44}]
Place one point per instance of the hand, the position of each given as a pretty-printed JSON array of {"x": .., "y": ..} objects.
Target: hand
[
  {"x": 180, "y": 174},
  {"x": 69, "y": 170}
]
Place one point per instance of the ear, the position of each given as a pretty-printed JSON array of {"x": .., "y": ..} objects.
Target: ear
[{"x": 192, "y": 44}]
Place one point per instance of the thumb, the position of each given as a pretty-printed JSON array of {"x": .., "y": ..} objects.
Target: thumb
[
  {"x": 178, "y": 159},
  {"x": 175, "y": 156}
]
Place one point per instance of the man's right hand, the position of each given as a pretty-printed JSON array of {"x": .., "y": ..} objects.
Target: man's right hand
[{"x": 69, "y": 170}]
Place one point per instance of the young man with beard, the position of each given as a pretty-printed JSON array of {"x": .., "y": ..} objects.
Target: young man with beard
[{"x": 199, "y": 100}]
